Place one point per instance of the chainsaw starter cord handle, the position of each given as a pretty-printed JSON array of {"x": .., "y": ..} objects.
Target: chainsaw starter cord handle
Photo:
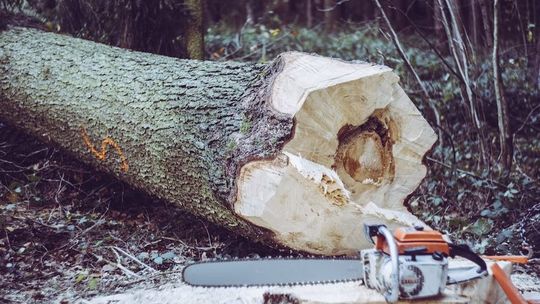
[{"x": 465, "y": 251}]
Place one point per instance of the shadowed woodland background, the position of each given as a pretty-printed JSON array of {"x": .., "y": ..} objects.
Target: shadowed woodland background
[{"x": 471, "y": 67}]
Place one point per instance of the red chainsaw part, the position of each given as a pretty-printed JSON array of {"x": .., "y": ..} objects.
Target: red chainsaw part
[
  {"x": 410, "y": 239},
  {"x": 519, "y": 259},
  {"x": 506, "y": 284}
]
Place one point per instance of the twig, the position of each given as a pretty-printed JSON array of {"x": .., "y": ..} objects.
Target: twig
[
  {"x": 333, "y": 7},
  {"x": 455, "y": 42},
  {"x": 59, "y": 190},
  {"x": 134, "y": 259},
  {"x": 527, "y": 118},
  {"x": 164, "y": 273},
  {"x": 468, "y": 173},
  {"x": 207, "y": 234},
  {"x": 201, "y": 248},
  {"x": 431, "y": 45},
  {"x": 100, "y": 258},
  {"x": 121, "y": 267},
  {"x": 7, "y": 239}
]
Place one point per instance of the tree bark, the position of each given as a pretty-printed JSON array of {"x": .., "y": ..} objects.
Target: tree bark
[
  {"x": 330, "y": 7},
  {"x": 473, "y": 25},
  {"x": 195, "y": 29},
  {"x": 297, "y": 153},
  {"x": 250, "y": 12},
  {"x": 484, "y": 9},
  {"x": 309, "y": 13},
  {"x": 437, "y": 23}
]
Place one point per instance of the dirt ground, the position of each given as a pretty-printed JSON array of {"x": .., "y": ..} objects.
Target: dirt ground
[{"x": 68, "y": 233}]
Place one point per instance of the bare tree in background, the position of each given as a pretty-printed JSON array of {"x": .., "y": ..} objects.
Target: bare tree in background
[
  {"x": 329, "y": 15},
  {"x": 473, "y": 23},
  {"x": 195, "y": 29},
  {"x": 461, "y": 60},
  {"x": 309, "y": 13},
  {"x": 397, "y": 44},
  {"x": 505, "y": 138},
  {"x": 437, "y": 24},
  {"x": 484, "y": 10},
  {"x": 537, "y": 60}
]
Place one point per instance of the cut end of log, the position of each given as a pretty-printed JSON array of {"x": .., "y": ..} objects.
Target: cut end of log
[{"x": 355, "y": 155}]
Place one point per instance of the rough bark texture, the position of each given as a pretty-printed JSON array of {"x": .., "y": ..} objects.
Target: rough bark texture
[{"x": 143, "y": 118}]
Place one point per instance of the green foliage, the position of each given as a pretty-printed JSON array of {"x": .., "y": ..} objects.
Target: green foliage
[{"x": 260, "y": 43}]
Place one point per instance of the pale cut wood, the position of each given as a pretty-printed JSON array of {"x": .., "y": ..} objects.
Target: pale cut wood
[{"x": 356, "y": 154}]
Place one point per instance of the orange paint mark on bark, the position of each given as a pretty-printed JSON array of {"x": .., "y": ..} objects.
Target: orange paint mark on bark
[{"x": 102, "y": 153}]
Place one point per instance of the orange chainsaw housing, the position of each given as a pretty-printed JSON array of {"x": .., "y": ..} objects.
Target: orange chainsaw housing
[{"x": 411, "y": 241}]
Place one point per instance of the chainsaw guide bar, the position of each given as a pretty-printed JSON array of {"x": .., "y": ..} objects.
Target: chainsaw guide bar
[{"x": 281, "y": 271}]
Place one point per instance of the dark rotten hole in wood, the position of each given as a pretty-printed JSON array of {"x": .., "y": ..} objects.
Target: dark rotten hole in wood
[{"x": 365, "y": 151}]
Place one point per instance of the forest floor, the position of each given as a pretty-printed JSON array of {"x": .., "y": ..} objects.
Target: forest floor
[{"x": 70, "y": 234}]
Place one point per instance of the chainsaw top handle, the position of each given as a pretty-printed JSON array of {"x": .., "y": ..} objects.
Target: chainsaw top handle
[{"x": 380, "y": 231}]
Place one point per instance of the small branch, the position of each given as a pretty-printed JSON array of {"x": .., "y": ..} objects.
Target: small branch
[
  {"x": 468, "y": 173},
  {"x": 332, "y": 7},
  {"x": 134, "y": 259},
  {"x": 430, "y": 44},
  {"x": 121, "y": 267},
  {"x": 455, "y": 40},
  {"x": 526, "y": 119}
]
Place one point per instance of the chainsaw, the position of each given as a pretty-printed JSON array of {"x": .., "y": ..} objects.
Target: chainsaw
[{"x": 411, "y": 263}]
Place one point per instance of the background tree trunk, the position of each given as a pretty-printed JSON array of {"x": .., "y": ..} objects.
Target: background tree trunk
[
  {"x": 309, "y": 13},
  {"x": 298, "y": 153},
  {"x": 484, "y": 9},
  {"x": 503, "y": 119},
  {"x": 330, "y": 7},
  {"x": 195, "y": 29},
  {"x": 437, "y": 23},
  {"x": 472, "y": 12}
]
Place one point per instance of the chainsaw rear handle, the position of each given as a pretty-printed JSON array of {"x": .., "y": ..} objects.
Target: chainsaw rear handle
[
  {"x": 465, "y": 251},
  {"x": 465, "y": 274}
]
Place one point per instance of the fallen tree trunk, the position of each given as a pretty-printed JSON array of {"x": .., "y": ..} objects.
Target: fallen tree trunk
[{"x": 299, "y": 152}]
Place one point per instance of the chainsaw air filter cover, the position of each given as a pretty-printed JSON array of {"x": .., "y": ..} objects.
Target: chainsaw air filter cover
[{"x": 416, "y": 241}]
